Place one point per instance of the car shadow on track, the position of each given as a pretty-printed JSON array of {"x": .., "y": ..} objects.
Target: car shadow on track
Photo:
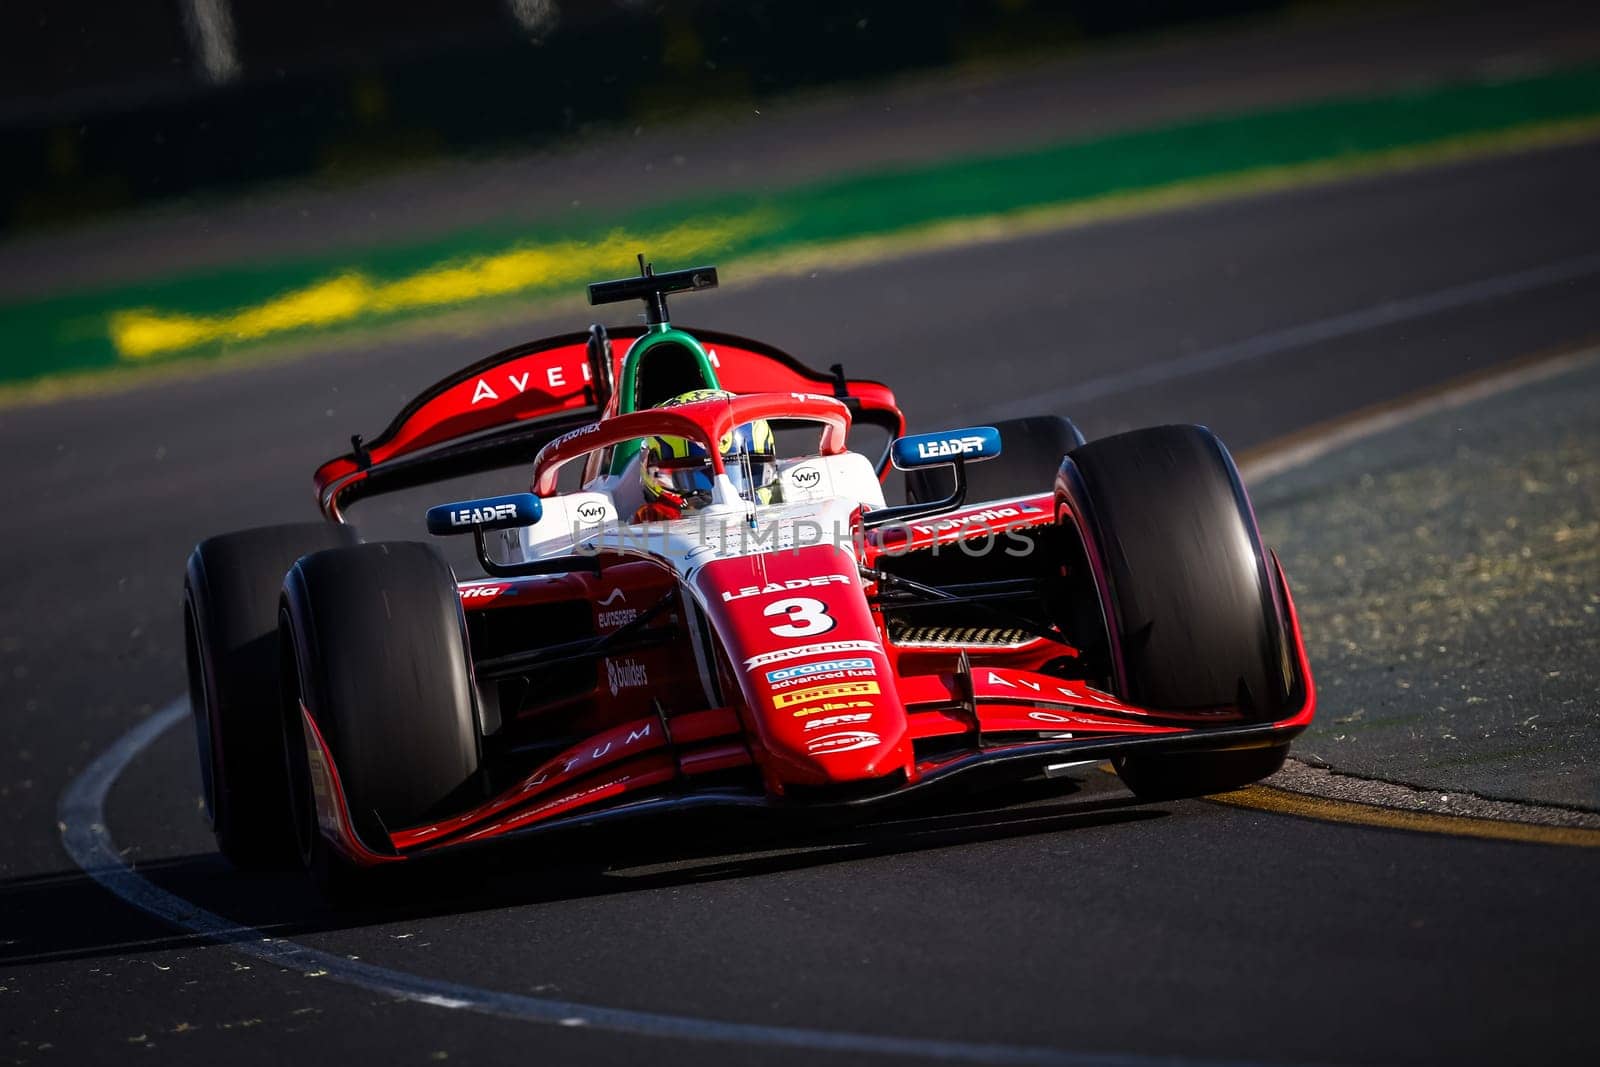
[{"x": 68, "y": 916}]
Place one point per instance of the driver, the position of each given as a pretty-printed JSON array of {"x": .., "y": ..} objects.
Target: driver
[{"x": 675, "y": 473}]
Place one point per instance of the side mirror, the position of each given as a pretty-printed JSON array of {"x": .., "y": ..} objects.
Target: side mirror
[
  {"x": 942, "y": 449},
  {"x": 489, "y": 513},
  {"x": 952, "y": 448}
]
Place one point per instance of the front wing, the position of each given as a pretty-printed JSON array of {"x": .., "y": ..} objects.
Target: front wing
[{"x": 999, "y": 723}]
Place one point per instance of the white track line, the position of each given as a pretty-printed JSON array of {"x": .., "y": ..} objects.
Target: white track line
[
  {"x": 1294, "y": 337},
  {"x": 84, "y": 835},
  {"x": 1348, "y": 431}
]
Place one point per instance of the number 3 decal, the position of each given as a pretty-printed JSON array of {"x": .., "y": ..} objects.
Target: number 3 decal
[{"x": 807, "y": 616}]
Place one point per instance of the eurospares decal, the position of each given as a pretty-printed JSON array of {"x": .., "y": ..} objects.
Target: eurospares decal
[
  {"x": 821, "y": 648},
  {"x": 824, "y": 692}
]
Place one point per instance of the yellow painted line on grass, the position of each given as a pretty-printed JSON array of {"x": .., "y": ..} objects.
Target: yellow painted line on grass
[
  {"x": 140, "y": 333},
  {"x": 1325, "y": 809}
]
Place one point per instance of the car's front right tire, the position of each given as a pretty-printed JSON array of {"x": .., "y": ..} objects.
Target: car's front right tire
[{"x": 1195, "y": 620}]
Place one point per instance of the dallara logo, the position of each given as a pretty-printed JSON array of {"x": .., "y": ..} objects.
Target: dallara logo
[{"x": 824, "y": 692}]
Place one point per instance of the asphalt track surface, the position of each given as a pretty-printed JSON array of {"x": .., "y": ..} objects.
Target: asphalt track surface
[{"x": 1072, "y": 921}]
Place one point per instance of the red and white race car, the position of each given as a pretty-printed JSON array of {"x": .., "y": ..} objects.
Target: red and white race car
[{"x": 723, "y": 609}]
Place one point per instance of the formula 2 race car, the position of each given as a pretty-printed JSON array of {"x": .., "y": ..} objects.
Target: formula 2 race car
[{"x": 699, "y": 621}]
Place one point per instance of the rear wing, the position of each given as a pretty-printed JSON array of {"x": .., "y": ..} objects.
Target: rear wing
[{"x": 500, "y": 411}]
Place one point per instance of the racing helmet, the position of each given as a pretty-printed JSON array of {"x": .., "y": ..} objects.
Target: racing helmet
[{"x": 676, "y": 472}]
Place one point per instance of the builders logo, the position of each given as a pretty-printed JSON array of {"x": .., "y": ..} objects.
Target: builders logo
[{"x": 824, "y": 692}]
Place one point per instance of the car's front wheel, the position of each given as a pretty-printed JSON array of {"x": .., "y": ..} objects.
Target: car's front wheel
[
  {"x": 376, "y": 653},
  {"x": 1195, "y": 620},
  {"x": 230, "y": 623}
]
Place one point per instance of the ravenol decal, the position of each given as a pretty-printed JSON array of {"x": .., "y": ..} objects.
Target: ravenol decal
[
  {"x": 824, "y": 692},
  {"x": 784, "y": 674},
  {"x": 819, "y": 648}
]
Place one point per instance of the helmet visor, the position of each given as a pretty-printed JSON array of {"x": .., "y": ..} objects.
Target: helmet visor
[{"x": 689, "y": 477}]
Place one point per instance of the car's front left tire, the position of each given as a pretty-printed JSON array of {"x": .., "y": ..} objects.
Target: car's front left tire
[{"x": 230, "y": 617}]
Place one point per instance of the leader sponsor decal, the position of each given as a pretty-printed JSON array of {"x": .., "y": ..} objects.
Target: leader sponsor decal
[
  {"x": 853, "y": 719},
  {"x": 626, "y": 674},
  {"x": 824, "y": 692},
  {"x": 785, "y": 586},
  {"x": 592, "y": 511},
  {"x": 479, "y": 516},
  {"x": 843, "y": 741},
  {"x": 817, "y": 648},
  {"x": 482, "y": 592},
  {"x": 950, "y": 446}
]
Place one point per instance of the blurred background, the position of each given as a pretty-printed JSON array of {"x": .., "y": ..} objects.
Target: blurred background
[{"x": 109, "y": 106}]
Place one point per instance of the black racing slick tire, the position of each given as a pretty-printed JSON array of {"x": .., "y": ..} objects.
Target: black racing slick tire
[
  {"x": 1174, "y": 776},
  {"x": 1194, "y": 614},
  {"x": 1031, "y": 451},
  {"x": 376, "y": 651},
  {"x": 230, "y": 609}
]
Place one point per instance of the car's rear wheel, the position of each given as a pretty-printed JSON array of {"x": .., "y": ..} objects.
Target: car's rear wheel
[
  {"x": 230, "y": 622},
  {"x": 1194, "y": 617},
  {"x": 376, "y": 653},
  {"x": 1031, "y": 451}
]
